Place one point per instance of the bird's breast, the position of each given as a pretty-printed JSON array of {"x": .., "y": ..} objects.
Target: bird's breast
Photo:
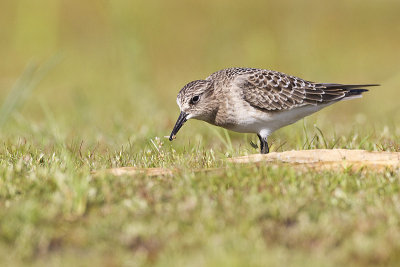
[{"x": 237, "y": 115}]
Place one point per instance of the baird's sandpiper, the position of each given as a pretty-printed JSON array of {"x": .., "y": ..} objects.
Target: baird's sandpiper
[{"x": 250, "y": 100}]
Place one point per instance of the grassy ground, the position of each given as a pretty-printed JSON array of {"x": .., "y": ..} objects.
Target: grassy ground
[
  {"x": 55, "y": 212},
  {"x": 89, "y": 86}
]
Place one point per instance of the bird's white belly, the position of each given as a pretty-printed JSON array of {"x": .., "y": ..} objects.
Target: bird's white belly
[{"x": 251, "y": 120}]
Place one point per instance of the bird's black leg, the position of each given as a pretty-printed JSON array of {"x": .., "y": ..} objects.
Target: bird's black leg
[
  {"x": 263, "y": 145},
  {"x": 261, "y": 142}
]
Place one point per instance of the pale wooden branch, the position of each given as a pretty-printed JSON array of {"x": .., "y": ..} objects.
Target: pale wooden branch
[
  {"x": 326, "y": 159},
  {"x": 317, "y": 159}
]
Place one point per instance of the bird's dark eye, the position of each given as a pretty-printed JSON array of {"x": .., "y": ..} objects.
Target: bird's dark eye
[{"x": 195, "y": 99}]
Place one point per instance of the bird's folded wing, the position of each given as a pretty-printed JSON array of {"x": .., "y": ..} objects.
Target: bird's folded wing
[{"x": 270, "y": 90}]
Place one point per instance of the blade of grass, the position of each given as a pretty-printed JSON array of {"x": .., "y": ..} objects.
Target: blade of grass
[
  {"x": 23, "y": 87},
  {"x": 220, "y": 137},
  {"x": 306, "y": 143},
  {"x": 18, "y": 92},
  {"x": 228, "y": 139},
  {"x": 322, "y": 136}
]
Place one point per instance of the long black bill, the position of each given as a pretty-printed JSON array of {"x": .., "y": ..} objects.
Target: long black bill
[{"x": 179, "y": 123}]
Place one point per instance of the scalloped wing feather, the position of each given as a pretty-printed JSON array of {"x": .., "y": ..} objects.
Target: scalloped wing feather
[{"x": 271, "y": 90}]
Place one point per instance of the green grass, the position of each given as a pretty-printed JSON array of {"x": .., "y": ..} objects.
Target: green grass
[
  {"x": 91, "y": 85},
  {"x": 54, "y": 212}
]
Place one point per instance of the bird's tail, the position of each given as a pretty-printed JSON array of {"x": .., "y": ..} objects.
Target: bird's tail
[
  {"x": 352, "y": 90},
  {"x": 354, "y": 93}
]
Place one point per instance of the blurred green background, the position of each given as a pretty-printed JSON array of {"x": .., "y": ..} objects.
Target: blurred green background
[
  {"x": 118, "y": 65},
  {"x": 89, "y": 85}
]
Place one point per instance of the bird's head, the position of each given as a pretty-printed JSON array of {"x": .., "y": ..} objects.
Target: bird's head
[{"x": 195, "y": 102}]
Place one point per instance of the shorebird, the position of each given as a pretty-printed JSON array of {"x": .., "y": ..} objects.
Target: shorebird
[{"x": 260, "y": 101}]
